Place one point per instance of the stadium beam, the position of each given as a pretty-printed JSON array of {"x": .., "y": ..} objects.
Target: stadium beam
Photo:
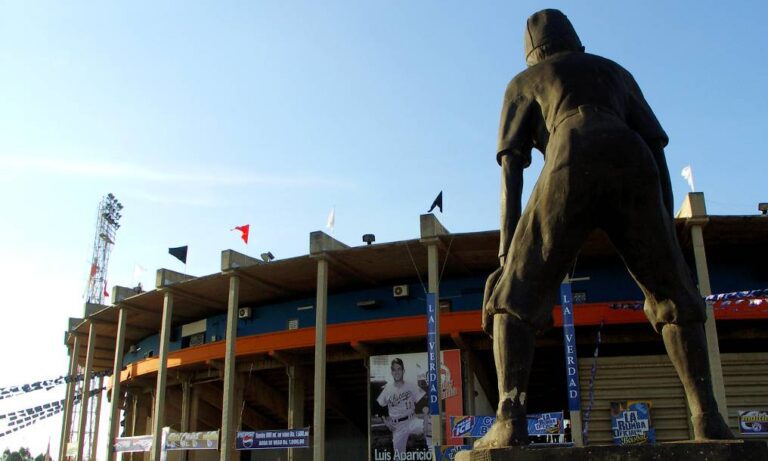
[
  {"x": 74, "y": 353},
  {"x": 85, "y": 397},
  {"x": 695, "y": 211},
  {"x": 295, "y": 404},
  {"x": 320, "y": 244},
  {"x": 228, "y": 395},
  {"x": 97, "y": 417},
  {"x": 114, "y": 413},
  {"x": 186, "y": 394},
  {"x": 431, "y": 232},
  {"x": 265, "y": 395},
  {"x": 231, "y": 261},
  {"x": 164, "y": 279}
]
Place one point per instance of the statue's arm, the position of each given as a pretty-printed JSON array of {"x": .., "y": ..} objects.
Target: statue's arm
[
  {"x": 666, "y": 183},
  {"x": 642, "y": 119},
  {"x": 512, "y": 166}
]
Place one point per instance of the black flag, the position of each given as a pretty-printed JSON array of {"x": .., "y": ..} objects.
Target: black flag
[
  {"x": 179, "y": 253},
  {"x": 437, "y": 203}
]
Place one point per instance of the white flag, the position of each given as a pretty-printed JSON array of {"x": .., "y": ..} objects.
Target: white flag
[
  {"x": 138, "y": 271},
  {"x": 331, "y": 219},
  {"x": 687, "y": 173}
]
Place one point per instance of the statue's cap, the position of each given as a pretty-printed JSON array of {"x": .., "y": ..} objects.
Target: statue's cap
[{"x": 550, "y": 28}]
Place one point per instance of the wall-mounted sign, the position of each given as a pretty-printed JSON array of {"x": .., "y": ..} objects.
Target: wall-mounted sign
[
  {"x": 270, "y": 439},
  {"x": 132, "y": 444},
  {"x": 753, "y": 422},
  {"x": 192, "y": 440},
  {"x": 631, "y": 422}
]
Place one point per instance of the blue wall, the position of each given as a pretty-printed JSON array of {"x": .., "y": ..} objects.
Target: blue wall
[{"x": 609, "y": 281}]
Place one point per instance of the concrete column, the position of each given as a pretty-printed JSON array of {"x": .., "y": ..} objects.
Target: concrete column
[
  {"x": 320, "y": 245},
  {"x": 162, "y": 376},
  {"x": 66, "y": 429},
  {"x": 694, "y": 209},
  {"x": 138, "y": 421},
  {"x": 97, "y": 419},
  {"x": 295, "y": 406},
  {"x": 117, "y": 367},
  {"x": 237, "y": 417},
  {"x": 320, "y": 342},
  {"x": 127, "y": 416},
  {"x": 186, "y": 391},
  {"x": 194, "y": 409},
  {"x": 431, "y": 231},
  {"x": 228, "y": 420},
  {"x": 90, "y": 347},
  {"x": 468, "y": 379}
]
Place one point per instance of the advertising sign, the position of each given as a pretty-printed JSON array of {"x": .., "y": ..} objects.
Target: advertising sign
[
  {"x": 192, "y": 440},
  {"x": 448, "y": 452},
  {"x": 470, "y": 426},
  {"x": 400, "y": 417},
  {"x": 270, "y": 439},
  {"x": 753, "y": 422},
  {"x": 543, "y": 424},
  {"x": 133, "y": 444},
  {"x": 631, "y": 422},
  {"x": 539, "y": 424}
]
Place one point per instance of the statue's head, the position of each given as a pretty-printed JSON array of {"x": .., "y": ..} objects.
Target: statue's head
[{"x": 548, "y": 32}]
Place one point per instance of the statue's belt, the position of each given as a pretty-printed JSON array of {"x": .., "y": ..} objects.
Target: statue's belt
[{"x": 584, "y": 109}]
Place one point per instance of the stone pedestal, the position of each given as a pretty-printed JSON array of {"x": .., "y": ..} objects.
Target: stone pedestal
[{"x": 740, "y": 450}]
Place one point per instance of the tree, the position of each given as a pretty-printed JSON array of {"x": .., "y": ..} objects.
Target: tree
[{"x": 23, "y": 454}]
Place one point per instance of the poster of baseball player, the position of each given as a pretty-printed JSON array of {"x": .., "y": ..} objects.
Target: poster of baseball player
[{"x": 400, "y": 422}]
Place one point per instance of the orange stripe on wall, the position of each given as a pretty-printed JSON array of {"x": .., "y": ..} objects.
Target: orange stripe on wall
[{"x": 399, "y": 328}]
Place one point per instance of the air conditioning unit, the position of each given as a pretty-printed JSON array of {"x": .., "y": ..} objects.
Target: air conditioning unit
[
  {"x": 400, "y": 291},
  {"x": 244, "y": 313}
]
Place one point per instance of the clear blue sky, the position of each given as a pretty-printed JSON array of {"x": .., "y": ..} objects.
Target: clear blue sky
[{"x": 200, "y": 116}]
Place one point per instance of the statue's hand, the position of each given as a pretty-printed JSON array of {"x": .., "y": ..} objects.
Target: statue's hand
[{"x": 490, "y": 285}]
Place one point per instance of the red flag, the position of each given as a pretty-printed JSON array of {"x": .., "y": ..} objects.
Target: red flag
[
  {"x": 94, "y": 269},
  {"x": 106, "y": 293},
  {"x": 244, "y": 231}
]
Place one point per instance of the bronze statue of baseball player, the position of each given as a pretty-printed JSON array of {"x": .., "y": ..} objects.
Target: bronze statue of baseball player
[{"x": 604, "y": 169}]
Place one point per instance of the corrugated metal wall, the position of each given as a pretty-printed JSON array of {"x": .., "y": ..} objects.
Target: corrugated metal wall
[
  {"x": 635, "y": 378},
  {"x": 746, "y": 384},
  {"x": 653, "y": 378}
]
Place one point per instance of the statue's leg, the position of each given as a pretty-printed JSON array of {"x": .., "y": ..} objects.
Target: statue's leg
[
  {"x": 513, "y": 346},
  {"x": 645, "y": 236},
  {"x": 687, "y": 348}
]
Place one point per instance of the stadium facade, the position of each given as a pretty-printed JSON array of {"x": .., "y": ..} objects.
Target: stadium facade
[{"x": 252, "y": 346}]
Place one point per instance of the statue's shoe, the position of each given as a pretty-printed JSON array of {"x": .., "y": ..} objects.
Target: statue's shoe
[{"x": 710, "y": 426}]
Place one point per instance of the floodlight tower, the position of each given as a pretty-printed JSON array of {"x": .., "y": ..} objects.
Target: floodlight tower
[{"x": 106, "y": 228}]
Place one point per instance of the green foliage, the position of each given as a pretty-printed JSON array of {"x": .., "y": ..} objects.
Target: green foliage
[{"x": 23, "y": 454}]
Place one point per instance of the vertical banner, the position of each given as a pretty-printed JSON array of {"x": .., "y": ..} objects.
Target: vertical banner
[
  {"x": 434, "y": 402},
  {"x": 569, "y": 342},
  {"x": 631, "y": 422},
  {"x": 400, "y": 418}
]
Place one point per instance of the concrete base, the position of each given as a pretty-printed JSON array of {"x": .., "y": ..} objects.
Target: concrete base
[{"x": 740, "y": 450}]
